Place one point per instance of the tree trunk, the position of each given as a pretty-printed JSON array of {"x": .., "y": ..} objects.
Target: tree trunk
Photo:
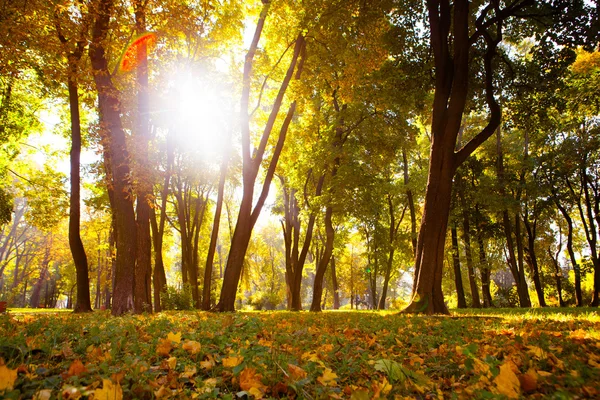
[
  {"x": 323, "y": 261},
  {"x": 83, "y": 302},
  {"x": 251, "y": 164},
  {"x": 532, "y": 259},
  {"x": 475, "y": 301},
  {"x": 484, "y": 268},
  {"x": 411, "y": 204},
  {"x": 117, "y": 159},
  {"x": 460, "y": 292},
  {"x": 576, "y": 269},
  {"x": 557, "y": 275},
  {"x": 143, "y": 264},
  {"x": 451, "y": 43},
  {"x": 334, "y": 283}
]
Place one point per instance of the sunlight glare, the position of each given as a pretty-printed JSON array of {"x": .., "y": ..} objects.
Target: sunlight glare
[{"x": 200, "y": 116}]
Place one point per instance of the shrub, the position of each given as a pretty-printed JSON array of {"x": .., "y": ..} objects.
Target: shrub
[{"x": 173, "y": 298}]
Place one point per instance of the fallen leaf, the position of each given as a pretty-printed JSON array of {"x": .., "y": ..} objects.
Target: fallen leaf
[
  {"x": 360, "y": 394},
  {"x": 174, "y": 337},
  {"x": 172, "y": 362},
  {"x": 231, "y": 362},
  {"x": 192, "y": 347},
  {"x": 328, "y": 378},
  {"x": 76, "y": 369},
  {"x": 507, "y": 382},
  {"x": 296, "y": 372},
  {"x": 189, "y": 372},
  {"x": 7, "y": 378},
  {"x": 381, "y": 388},
  {"x": 164, "y": 347},
  {"x": 209, "y": 362},
  {"x": 529, "y": 381},
  {"x": 251, "y": 382},
  {"x": 109, "y": 391},
  {"x": 208, "y": 385}
]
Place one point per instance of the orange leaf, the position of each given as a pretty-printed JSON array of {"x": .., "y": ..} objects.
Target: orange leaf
[
  {"x": 164, "y": 347},
  {"x": 7, "y": 378},
  {"x": 251, "y": 382},
  {"x": 208, "y": 363},
  {"x": 296, "y": 372},
  {"x": 529, "y": 381},
  {"x": 191, "y": 347},
  {"x": 76, "y": 369}
]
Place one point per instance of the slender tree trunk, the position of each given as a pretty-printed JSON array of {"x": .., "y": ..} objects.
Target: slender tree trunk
[
  {"x": 532, "y": 259},
  {"x": 323, "y": 261},
  {"x": 557, "y": 275},
  {"x": 475, "y": 300},
  {"x": 117, "y": 159},
  {"x": 484, "y": 268},
  {"x": 334, "y": 283},
  {"x": 411, "y": 204},
  {"x": 576, "y": 268},
  {"x": 143, "y": 265},
  {"x": 83, "y": 302},
  {"x": 248, "y": 215},
  {"x": 460, "y": 292}
]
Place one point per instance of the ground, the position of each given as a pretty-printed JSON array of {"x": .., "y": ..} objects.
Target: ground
[{"x": 549, "y": 353}]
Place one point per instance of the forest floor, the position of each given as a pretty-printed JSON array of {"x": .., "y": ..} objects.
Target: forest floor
[{"x": 549, "y": 353}]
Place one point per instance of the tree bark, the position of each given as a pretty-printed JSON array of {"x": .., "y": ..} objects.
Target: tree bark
[
  {"x": 143, "y": 263},
  {"x": 411, "y": 203},
  {"x": 323, "y": 260},
  {"x": 460, "y": 292},
  {"x": 334, "y": 283},
  {"x": 116, "y": 158},
  {"x": 557, "y": 275},
  {"x": 532, "y": 258},
  {"x": 248, "y": 215},
  {"x": 484, "y": 268}
]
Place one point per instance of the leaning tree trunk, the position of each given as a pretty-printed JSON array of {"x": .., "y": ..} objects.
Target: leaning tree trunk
[
  {"x": 248, "y": 215},
  {"x": 576, "y": 268},
  {"x": 116, "y": 159},
  {"x": 532, "y": 259},
  {"x": 323, "y": 261}
]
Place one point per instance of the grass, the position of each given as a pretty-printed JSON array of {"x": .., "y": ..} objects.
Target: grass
[{"x": 500, "y": 353}]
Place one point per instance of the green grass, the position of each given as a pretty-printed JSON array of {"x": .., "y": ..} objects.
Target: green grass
[{"x": 499, "y": 353}]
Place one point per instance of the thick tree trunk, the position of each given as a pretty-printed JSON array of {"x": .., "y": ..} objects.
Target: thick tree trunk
[
  {"x": 117, "y": 157},
  {"x": 143, "y": 265},
  {"x": 460, "y": 292}
]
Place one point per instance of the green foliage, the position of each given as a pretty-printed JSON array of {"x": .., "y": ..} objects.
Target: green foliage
[
  {"x": 174, "y": 298},
  {"x": 265, "y": 300},
  {"x": 6, "y": 206}
]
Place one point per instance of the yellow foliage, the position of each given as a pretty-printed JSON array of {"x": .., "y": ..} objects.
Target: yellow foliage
[
  {"x": 109, "y": 391},
  {"x": 251, "y": 382},
  {"x": 232, "y": 361},
  {"x": 507, "y": 382},
  {"x": 7, "y": 377},
  {"x": 192, "y": 347},
  {"x": 328, "y": 378}
]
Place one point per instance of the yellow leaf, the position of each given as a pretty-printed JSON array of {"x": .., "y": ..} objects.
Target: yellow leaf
[
  {"x": 381, "y": 388},
  {"x": 360, "y": 394},
  {"x": 172, "y": 362},
  {"x": 507, "y": 382},
  {"x": 537, "y": 352},
  {"x": 174, "y": 337},
  {"x": 7, "y": 378},
  {"x": 208, "y": 363},
  {"x": 163, "y": 393},
  {"x": 232, "y": 361},
  {"x": 109, "y": 391},
  {"x": 296, "y": 372},
  {"x": 192, "y": 347},
  {"x": 164, "y": 347},
  {"x": 251, "y": 382},
  {"x": 189, "y": 372},
  {"x": 208, "y": 385},
  {"x": 328, "y": 378}
]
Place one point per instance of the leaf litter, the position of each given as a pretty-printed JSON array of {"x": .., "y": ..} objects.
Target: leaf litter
[{"x": 343, "y": 355}]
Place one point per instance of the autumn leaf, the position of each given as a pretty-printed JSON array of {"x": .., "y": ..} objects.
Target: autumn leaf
[
  {"x": 251, "y": 382},
  {"x": 231, "y": 362},
  {"x": 529, "y": 381},
  {"x": 7, "y": 378},
  {"x": 76, "y": 369},
  {"x": 392, "y": 369},
  {"x": 164, "y": 347},
  {"x": 174, "y": 337},
  {"x": 507, "y": 382},
  {"x": 296, "y": 372},
  {"x": 328, "y": 378},
  {"x": 172, "y": 362},
  {"x": 208, "y": 385},
  {"x": 191, "y": 347},
  {"x": 381, "y": 389},
  {"x": 208, "y": 363},
  {"x": 189, "y": 371},
  {"x": 44, "y": 394},
  {"x": 109, "y": 391}
]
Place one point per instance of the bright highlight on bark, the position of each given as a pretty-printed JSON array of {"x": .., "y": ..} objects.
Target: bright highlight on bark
[{"x": 131, "y": 56}]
